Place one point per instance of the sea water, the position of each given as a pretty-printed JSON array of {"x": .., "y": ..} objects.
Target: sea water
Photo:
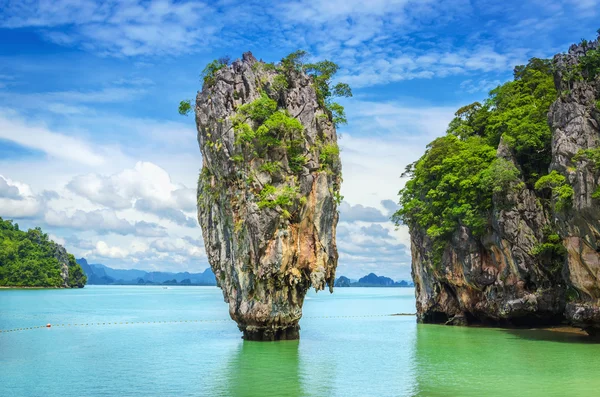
[{"x": 348, "y": 347}]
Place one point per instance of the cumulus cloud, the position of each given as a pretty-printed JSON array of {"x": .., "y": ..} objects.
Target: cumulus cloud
[
  {"x": 8, "y": 191},
  {"x": 157, "y": 208},
  {"x": 390, "y": 206},
  {"x": 358, "y": 212},
  {"x": 57, "y": 239},
  {"x": 375, "y": 230},
  {"x": 181, "y": 247},
  {"x": 160, "y": 253},
  {"x": 74, "y": 241},
  {"x": 99, "y": 190},
  {"x": 102, "y": 222},
  {"x": 102, "y": 249},
  {"x": 383, "y": 138},
  {"x": 50, "y": 195},
  {"x": 147, "y": 188},
  {"x": 372, "y": 247},
  {"x": 17, "y": 200},
  {"x": 198, "y": 242}
]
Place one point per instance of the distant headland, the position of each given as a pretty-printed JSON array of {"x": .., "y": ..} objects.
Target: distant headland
[{"x": 372, "y": 280}]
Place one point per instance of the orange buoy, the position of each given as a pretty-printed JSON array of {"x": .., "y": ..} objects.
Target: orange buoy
[{"x": 48, "y": 325}]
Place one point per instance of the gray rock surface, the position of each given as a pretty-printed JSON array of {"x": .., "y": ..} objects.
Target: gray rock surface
[
  {"x": 575, "y": 120},
  {"x": 265, "y": 258}
]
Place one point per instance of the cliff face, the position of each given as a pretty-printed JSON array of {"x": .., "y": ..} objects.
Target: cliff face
[
  {"x": 502, "y": 276},
  {"x": 267, "y": 193},
  {"x": 71, "y": 273},
  {"x": 575, "y": 120}
]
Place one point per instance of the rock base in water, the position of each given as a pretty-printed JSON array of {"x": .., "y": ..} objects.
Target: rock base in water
[
  {"x": 536, "y": 260},
  {"x": 268, "y": 192},
  {"x": 291, "y": 332}
]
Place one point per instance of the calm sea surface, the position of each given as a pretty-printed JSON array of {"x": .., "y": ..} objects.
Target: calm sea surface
[{"x": 357, "y": 356}]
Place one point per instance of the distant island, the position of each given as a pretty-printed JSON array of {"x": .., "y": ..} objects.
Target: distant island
[
  {"x": 371, "y": 280},
  {"x": 99, "y": 274},
  {"x": 31, "y": 260}
]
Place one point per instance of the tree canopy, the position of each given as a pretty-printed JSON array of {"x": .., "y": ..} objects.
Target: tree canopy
[
  {"x": 452, "y": 184},
  {"x": 28, "y": 259},
  {"x": 322, "y": 73}
]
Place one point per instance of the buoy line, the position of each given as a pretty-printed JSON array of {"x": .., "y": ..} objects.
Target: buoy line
[{"x": 67, "y": 325}]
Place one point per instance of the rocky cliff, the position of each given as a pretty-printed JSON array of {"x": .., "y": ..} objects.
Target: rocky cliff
[
  {"x": 268, "y": 191},
  {"x": 575, "y": 120},
  {"x": 536, "y": 259}
]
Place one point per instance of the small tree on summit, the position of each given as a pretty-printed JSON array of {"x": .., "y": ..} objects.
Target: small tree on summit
[
  {"x": 322, "y": 73},
  {"x": 208, "y": 78}
]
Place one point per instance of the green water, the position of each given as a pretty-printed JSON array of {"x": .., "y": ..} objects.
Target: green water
[{"x": 357, "y": 356}]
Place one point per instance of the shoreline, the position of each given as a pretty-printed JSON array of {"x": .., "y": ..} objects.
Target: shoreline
[
  {"x": 15, "y": 287},
  {"x": 565, "y": 329},
  {"x": 559, "y": 328}
]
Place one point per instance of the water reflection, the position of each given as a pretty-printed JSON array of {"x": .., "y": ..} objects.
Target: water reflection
[
  {"x": 264, "y": 369},
  {"x": 466, "y": 361}
]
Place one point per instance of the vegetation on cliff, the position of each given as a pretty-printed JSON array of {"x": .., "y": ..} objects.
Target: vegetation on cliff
[
  {"x": 503, "y": 210},
  {"x": 269, "y": 186},
  {"x": 453, "y": 183},
  {"x": 263, "y": 125},
  {"x": 30, "y": 259}
]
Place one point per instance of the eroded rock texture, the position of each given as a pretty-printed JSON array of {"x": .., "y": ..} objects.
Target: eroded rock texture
[
  {"x": 267, "y": 193},
  {"x": 575, "y": 120},
  {"x": 496, "y": 278}
]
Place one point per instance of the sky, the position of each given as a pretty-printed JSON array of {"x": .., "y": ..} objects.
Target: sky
[{"x": 92, "y": 148}]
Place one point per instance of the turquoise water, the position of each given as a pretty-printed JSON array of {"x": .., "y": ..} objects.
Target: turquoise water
[{"x": 359, "y": 356}]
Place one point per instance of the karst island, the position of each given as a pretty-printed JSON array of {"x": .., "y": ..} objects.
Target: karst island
[
  {"x": 269, "y": 186},
  {"x": 503, "y": 210}
]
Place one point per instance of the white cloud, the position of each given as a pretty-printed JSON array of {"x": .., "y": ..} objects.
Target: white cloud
[
  {"x": 358, "y": 212},
  {"x": 99, "y": 190},
  {"x": 181, "y": 247},
  {"x": 57, "y": 239},
  {"x": 102, "y": 222},
  {"x": 383, "y": 139},
  {"x": 130, "y": 28},
  {"x": 14, "y": 209},
  {"x": 13, "y": 128},
  {"x": 371, "y": 247},
  {"x": 321, "y": 11},
  {"x": 147, "y": 187},
  {"x": 18, "y": 201},
  {"x": 104, "y": 250},
  {"x": 9, "y": 191}
]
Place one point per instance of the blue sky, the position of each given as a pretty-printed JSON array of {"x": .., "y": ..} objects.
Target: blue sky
[{"x": 92, "y": 148}]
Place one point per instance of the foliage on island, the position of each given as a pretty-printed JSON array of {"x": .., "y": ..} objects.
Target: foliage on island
[
  {"x": 321, "y": 72},
  {"x": 263, "y": 126},
  {"x": 30, "y": 259},
  {"x": 454, "y": 182}
]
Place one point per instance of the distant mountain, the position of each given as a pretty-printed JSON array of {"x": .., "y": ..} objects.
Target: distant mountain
[
  {"x": 98, "y": 274},
  {"x": 342, "y": 282},
  {"x": 372, "y": 280}
]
